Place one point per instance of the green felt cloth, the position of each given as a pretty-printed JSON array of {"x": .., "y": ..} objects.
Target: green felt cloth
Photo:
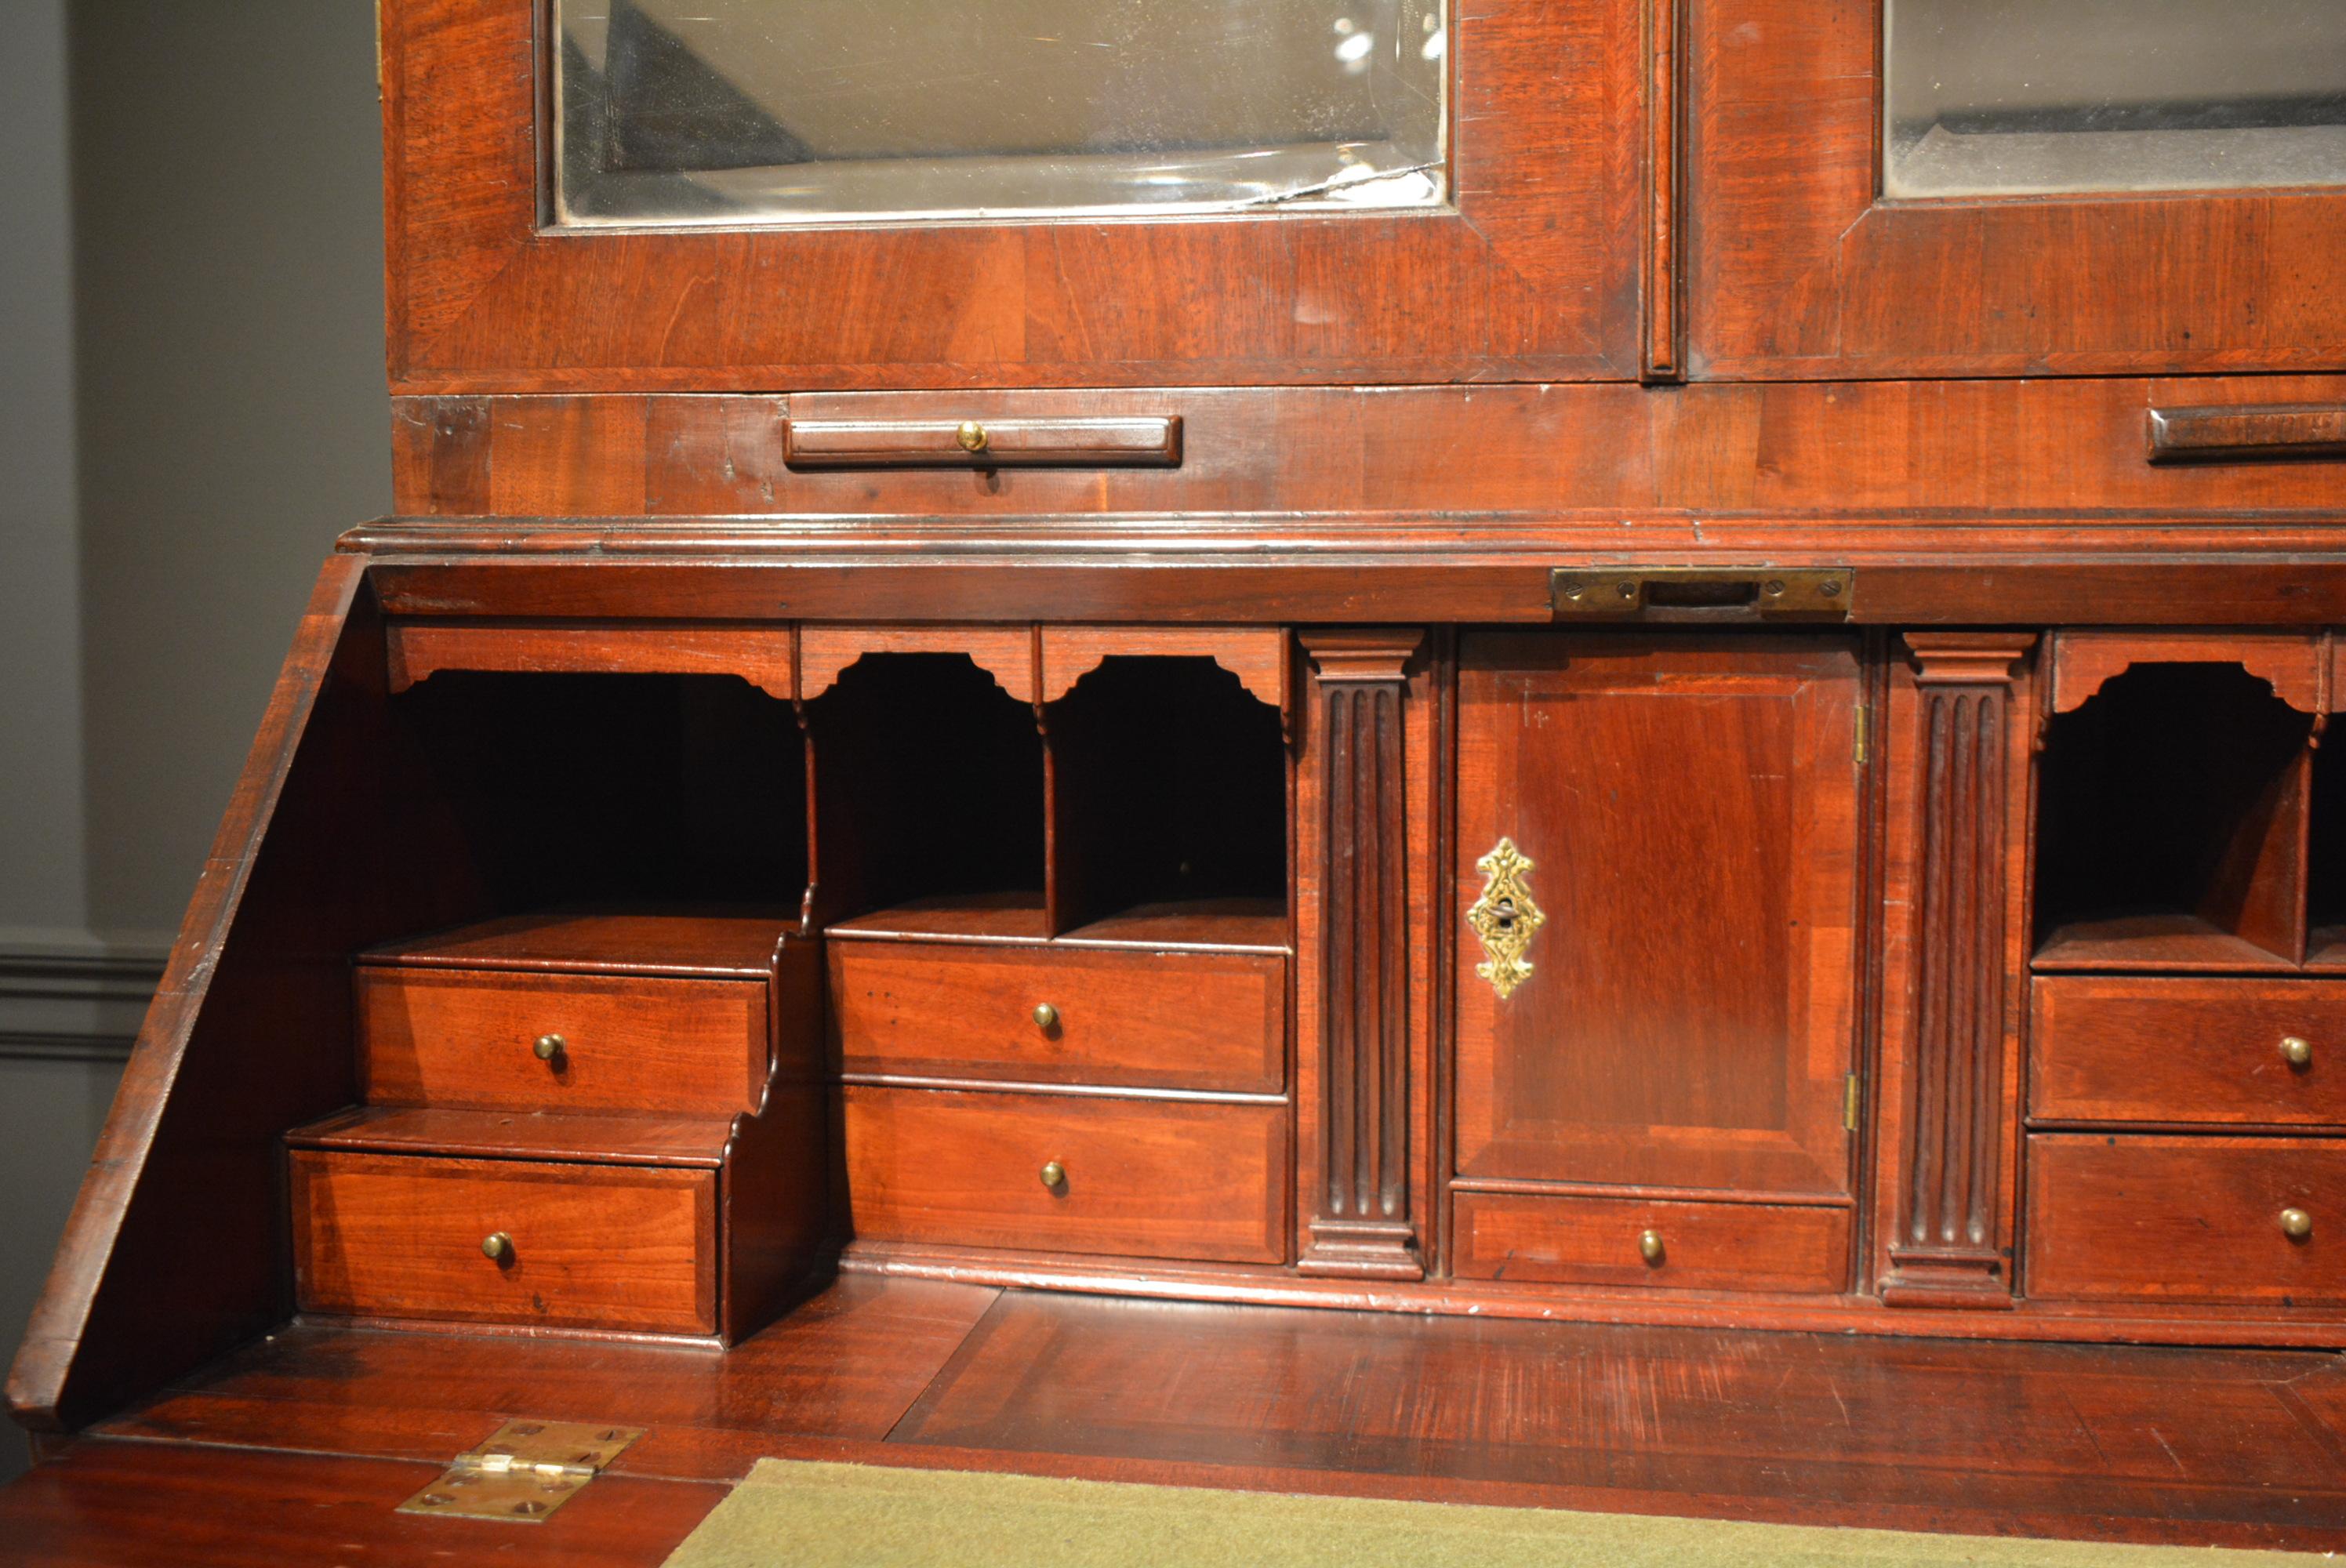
[{"x": 860, "y": 1516}]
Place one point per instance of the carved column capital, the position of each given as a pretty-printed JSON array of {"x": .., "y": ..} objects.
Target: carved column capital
[
  {"x": 1379, "y": 655},
  {"x": 1968, "y": 658}
]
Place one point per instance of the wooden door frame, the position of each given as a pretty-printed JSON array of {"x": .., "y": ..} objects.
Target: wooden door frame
[
  {"x": 1532, "y": 273},
  {"x": 1799, "y": 269}
]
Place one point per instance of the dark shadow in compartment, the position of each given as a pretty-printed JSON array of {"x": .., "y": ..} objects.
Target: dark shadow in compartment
[
  {"x": 1169, "y": 793},
  {"x": 619, "y": 791},
  {"x": 2171, "y": 821},
  {"x": 929, "y": 798},
  {"x": 2325, "y": 939}
]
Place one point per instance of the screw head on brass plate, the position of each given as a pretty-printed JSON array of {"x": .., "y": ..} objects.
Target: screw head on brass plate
[
  {"x": 524, "y": 1472},
  {"x": 1054, "y": 1175},
  {"x": 2296, "y": 1224},
  {"x": 971, "y": 436},
  {"x": 1663, "y": 593},
  {"x": 498, "y": 1245},
  {"x": 1649, "y": 1246},
  {"x": 2296, "y": 1051},
  {"x": 548, "y": 1047}
]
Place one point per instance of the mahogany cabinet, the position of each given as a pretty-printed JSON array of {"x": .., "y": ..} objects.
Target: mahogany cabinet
[
  {"x": 1506, "y": 663},
  {"x": 1930, "y": 188},
  {"x": 1658, "y": 994},
  {"x": 1520, "y": 259}
]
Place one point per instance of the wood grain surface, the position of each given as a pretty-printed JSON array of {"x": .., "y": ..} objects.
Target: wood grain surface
[
  {"x": 468, "y": 1038},
  {"x": 592, "y": 1247},
  {"x": 2206, "y": 1052},
  {"x": 1137, "y": 1019},
  {"x": 1146, "y": 1178}
]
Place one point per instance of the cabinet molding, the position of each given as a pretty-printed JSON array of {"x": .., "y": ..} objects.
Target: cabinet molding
[
  {"x": 1959, "y": 769},
  {"x": 1359, "y": 1190}
]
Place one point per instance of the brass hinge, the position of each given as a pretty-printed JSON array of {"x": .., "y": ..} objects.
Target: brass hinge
[
  {"x": 524, "y": 1472},
  {"x": 1850, "y": 1095},
  {"x": 1860, "y": 734}
]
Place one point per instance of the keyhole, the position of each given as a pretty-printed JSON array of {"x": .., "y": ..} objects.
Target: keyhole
[{"x": 1505, "y": 912}]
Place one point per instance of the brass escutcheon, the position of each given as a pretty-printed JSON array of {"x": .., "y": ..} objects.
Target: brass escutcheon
[{"x": 1505, "y": 918}]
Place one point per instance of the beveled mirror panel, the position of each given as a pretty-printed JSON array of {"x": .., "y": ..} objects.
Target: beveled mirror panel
[
  {"x": 722, "y": 112},
  {"x": 2022, "y": 97}
]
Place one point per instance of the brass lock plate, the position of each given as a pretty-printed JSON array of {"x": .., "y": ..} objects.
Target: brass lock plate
[
  {"x": 1703, "y": 593},
  {"x": 1505, "y": 917},
  {"x": 525, "y": 1471}
]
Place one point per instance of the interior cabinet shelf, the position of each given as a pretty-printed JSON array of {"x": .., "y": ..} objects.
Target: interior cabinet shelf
[
  {"x": 1228, "y": 924},
  {"x": 2161, "y": 942},
  {"x": 2175, "y": 807}
]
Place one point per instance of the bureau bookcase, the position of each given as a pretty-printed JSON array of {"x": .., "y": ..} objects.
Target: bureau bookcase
[{"x": 1613, "y": 676}]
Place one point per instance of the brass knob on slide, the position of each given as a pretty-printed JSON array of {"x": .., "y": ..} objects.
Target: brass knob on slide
[
  {"x": 497, "y": 1245},
  {"x": 971, "y": 436},
  {"x": 1047, "y": 1017},
  {"x": 2296, "y": 1224},
  {"x": 1054, "y": 1175},
  {"x": 2296, "y": 1050},
  {"x": 1649, "y": 1246},
  {"x": 548, "y": 1047}
]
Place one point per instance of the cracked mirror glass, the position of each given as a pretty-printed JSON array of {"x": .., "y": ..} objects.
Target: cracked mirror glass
[
  {"x": 2031, "y": 97},
  {"x": 739, "y": 112}
]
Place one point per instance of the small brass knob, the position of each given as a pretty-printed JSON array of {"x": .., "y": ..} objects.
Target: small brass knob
[
  {"x": 1054, "y": 1175},
  {"x": 548, "y": 1047},
  {"x": 971, "y": 436},
  {"x": 1649, "y": 1246},
  {"x": 1046, "y": 1016},
  {"x": 2296, "y": 1224},
  {"x": 2296, "y": 1050},
  {"x": 498, "y": 1247}
]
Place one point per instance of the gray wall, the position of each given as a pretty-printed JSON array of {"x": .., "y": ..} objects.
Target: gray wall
[{"x": 191, "y": 407}]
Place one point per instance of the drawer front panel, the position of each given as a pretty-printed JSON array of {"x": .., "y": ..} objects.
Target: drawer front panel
[
  {"x": 468, "y": 1038},
  {"x": 1135, "y": 1020},
  {"x": 2199, "y": 1051},
  {"x": 593, "y": 1246},
  {"x": 1757, "y": 1247},
  {"x": 2185, "y": 1219},
  {"x": 1142, "y": 1178}
]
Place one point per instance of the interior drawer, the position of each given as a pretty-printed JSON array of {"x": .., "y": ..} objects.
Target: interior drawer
[
  {"x": 1131, "y": 1019},
  {"x": 1143, "y": 1178},
  {"x": 1792, "y": 1247},
  {"x": 591, "y": 1246},
  {"x": 2185, "y": 1219},
  {"x": 2212, "y": 1051},
  {"x": 469, "y": 1038}
]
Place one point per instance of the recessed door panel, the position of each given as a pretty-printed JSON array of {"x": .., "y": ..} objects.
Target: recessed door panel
[{"x": 1689, "y": 807}]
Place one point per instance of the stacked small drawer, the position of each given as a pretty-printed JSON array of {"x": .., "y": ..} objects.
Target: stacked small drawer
[
  {"x": 2186, "y": 1146},
  {"x": 1065, "y": 1098},
  {"x": 549, "y": 1113}
]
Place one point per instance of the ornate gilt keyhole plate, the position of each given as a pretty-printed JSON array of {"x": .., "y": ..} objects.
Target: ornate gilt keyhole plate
[{"x": 1505, "y": 918}]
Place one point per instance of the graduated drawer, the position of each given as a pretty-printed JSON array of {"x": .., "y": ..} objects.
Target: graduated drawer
[
  {"x": 2197, "y": 1051},
  {"x": 2150, "y": 1218},
  {"x": 1206, "y": 1021},
  {"x": 465, "y": 1037},
  {"x": 1144, "y": 1178},
  {"x": 593, "y": 1246},
  {"x": 1572, "y": 1240}
]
